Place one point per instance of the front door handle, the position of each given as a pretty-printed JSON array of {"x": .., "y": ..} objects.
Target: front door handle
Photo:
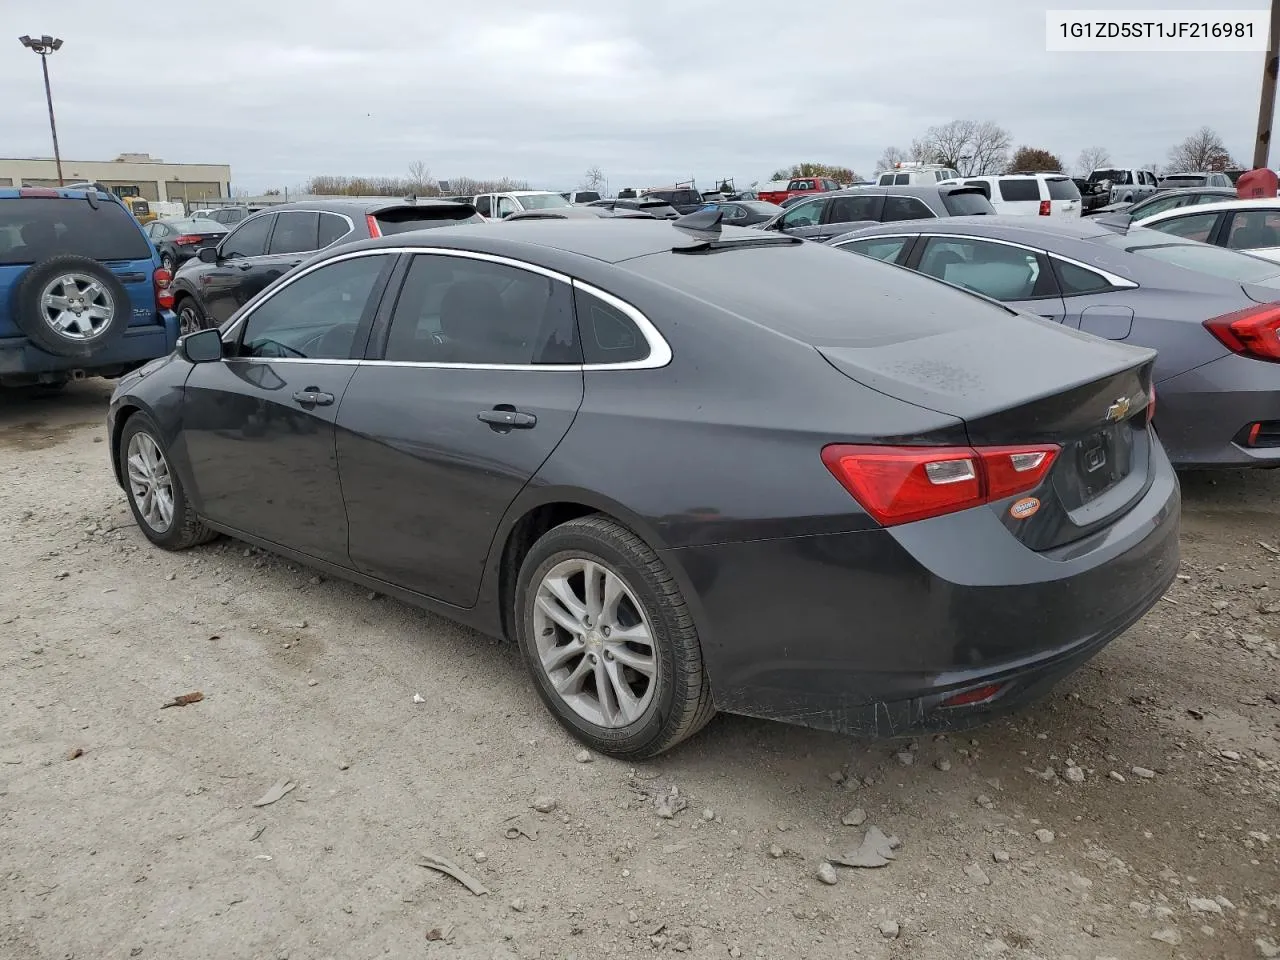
[
  {"x": 313, "y": 397},
  {"x": 505, "y": 417}
]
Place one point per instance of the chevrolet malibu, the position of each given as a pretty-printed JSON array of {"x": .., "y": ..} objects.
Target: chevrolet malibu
[{"x": 684, "y": 470}]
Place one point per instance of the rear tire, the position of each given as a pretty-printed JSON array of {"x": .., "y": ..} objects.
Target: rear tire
[
  {"x": 154, "y": 490},
  {"x": 632, "y": 638}
]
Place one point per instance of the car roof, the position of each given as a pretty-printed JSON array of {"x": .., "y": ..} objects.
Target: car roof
[
  {"x": 605, "y": 238},
  {"x": 13, "y": 193},
  {"x": 1067, "y": 228},
  {"x": 1266, "y": 203},
  {"x": 904, "y": 189},
  {"x": 359, "y": 205}
]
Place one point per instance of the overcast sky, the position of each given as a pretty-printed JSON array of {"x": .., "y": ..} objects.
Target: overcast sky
[{"x": 649, "y": 91}]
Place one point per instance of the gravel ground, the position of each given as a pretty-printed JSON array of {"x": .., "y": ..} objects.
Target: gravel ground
[{"x": 1132, "y": 814}]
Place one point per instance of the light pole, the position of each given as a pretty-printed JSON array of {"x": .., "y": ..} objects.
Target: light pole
[{"x": 44, "y": 46}]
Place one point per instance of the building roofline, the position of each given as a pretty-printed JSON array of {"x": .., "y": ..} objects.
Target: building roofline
[{"x": 66, "y": 162}]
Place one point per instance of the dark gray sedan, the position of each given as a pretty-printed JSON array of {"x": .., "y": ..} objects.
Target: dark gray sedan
[
  {"x": 1211, "y": 313},
  {"x": 684, "y": 470},
  {"x": 827, "y": 215}
]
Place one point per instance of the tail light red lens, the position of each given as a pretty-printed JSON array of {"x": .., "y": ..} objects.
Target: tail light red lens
[
  {"x": 372, "y": 221},
  {"x": 1046, "y": 208},
  {"x": 1151, "y": 405},
  {"x": 902, "y": 484},
  {"x": 1252, "y": 332},
  {"x": 187, "y": 240},
  {"x": 164, "y": 296},
  {"x": 976, "y": 695}
]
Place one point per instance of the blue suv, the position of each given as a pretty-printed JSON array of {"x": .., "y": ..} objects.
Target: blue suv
[{"x": 82, "y": 292}]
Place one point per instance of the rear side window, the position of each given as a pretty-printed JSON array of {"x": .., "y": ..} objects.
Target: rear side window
[
  {"x": 996, "y": 270},
  {"x": 1015, "y": 191},
  {"x": 404, "y": 219},
  {"x": 904, "y": 208},
  {"x": 878, "y": 248},
  {"x": 332, "y": 229},
  {"x": 35, "y": 228},
  {"x": 608, "y": 334},
  {"x": 852, "y": 209},
  {"x": 1060, "y": 188},
  {"x": 1076, "y": 281},
  {"x": 295, "y": 232},
  {"x": 967, "y": 203}
]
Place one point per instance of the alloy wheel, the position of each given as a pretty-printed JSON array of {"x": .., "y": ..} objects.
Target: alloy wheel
[
  {"x": 188, "y": 319},
  {"x": 595, "y": 643},
  {"x": 76, "y": 306},
  {"x": 150, "y": 483}
]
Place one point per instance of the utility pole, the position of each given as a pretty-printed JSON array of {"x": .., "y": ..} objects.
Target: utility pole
[
  {"x": 1267, "y": 103},
  {"x": 46, "y": 45}
]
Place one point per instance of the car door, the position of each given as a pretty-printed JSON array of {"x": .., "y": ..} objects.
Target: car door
[
  {"x": 258, "y": 426},
  {"x": 476, "y": 377},
  {"x": 224, "y": 286},
  {"x": 849, "y": 211},
  {"x": 1012, "y": 274},
  {"x": 804, "y": 219}
]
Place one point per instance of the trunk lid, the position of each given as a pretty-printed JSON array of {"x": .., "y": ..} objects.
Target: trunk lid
[{"x": 1031, "y": 382}]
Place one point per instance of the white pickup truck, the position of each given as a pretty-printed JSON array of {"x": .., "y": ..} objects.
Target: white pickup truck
[{"x": 1127, "y": 186}]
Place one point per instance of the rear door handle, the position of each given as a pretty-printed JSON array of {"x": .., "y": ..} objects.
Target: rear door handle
[
  {"x": 504, "y": 417},
  {"x": 313, "y": 397}
]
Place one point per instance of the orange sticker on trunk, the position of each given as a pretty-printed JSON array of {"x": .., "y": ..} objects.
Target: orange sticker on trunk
[{"x": 1024, "y": 508}]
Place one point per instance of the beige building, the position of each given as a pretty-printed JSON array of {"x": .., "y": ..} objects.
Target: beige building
[{"x": 152, "y": 178}]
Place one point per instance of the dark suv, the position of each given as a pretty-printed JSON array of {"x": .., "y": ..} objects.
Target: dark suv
[
  {"x": 82, "y": 292},
  {"x": 685, "y": 199},
  {"x": 270, "y": 243},
  {"x": 828, "y": 215}
]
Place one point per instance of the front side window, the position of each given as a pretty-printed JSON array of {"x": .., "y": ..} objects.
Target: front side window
[
  {"x": 295, "y": 232},
  {"x": 878, "y": 248},
  {"x": 904, "y": 208},
  {"x": 506, "y": 207},
  {"x": 466, "y": 311},
  {"x": 608, "y": 334},
  {"x": 993, "y": 269},
  {"x": 315, "y": 317},
  {"x": 1158, "y": 205},
  {"x": 1192, "y": 226},
  {"x": 247, "y": 240},
  {"x": 808, "y": 214},
  {"x": 901, "y": 179}
]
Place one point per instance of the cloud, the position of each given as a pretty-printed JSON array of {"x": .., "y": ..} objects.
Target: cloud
[{"x": 648, "y": 91}]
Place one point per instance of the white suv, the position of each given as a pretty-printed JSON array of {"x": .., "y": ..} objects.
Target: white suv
[
  {"x": 499, "y": 206},
  {"x": 1028, "y": 194}
]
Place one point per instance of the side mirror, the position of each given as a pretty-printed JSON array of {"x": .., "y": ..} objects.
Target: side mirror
[
  {"x": 203, "y": 346},
  {"x": 208, "y": 255}
]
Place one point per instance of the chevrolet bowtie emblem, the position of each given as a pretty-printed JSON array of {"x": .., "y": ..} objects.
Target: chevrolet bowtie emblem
[{"x": 1118, "y": 410}]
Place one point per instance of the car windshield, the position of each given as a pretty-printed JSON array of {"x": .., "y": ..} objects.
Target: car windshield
[
  {"x": 543, "y": 201},
  {"x": 196, "y": 225},
  {"x": 33, "y": 228},
  {"x": 1199, "y": 257}
]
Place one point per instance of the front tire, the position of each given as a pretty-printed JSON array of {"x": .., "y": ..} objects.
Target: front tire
[
  {"x": 190, "y": 316},
  {"x": 610, "y": 641},
  {"x": 154, "y": 490}
]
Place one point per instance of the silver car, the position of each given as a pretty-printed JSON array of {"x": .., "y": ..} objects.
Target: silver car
[{"x": 1211, "y": 313}]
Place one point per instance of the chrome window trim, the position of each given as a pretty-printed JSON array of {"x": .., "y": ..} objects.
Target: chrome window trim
[
  {"x": 1111, "y": 278},
  {"x": 659, "y": 350}
]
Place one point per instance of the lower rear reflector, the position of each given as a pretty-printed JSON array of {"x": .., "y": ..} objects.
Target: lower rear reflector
[{"x": 976, "y": 695}]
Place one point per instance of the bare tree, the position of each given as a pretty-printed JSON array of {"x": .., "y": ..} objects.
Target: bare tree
[
  {"x": 593, "y": 179},
  {"x": 1203, "y": 150},
  {"x": 421, "y": 182},
  {"x": 1091, "y": 159},
  {"x": 970, "y": 146}
]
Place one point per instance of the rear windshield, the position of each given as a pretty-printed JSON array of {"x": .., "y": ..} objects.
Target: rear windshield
[
  {"x": 1200, "y": 257},
  {"x": 1115, "y": 176},
  {"x": 586, "y": 196},
  {"x": 543, "y": 201},
  {"x": 1060, "y": 188},
  {"x": 196, "y": 225},
  {"x": 34, "y": 228},
  {"x": 1020, "y": 190},
  {"x": 1184, "y": 181},
  {"x": 404, "y": 219},
  {"x": 966, "y": 203}
]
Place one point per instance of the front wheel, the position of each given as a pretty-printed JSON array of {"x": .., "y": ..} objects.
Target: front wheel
[
  {"x": 609, "y": 640},
  {"x": 190, "y": 317},
  {"x": 159, "y": 504}
]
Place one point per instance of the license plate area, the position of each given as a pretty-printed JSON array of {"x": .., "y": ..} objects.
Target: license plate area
[{"x": 1102, "y": 459}]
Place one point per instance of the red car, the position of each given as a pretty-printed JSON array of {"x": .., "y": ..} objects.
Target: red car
[{"x": 797, "y": 187}]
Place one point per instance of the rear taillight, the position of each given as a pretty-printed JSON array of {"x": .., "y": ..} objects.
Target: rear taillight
[
  {"x": 901, "y": 484},
  {"x": 164, "y": 296},
  {"x": 970, "y": 697},
  {"x": 1151, "y": 405},
  {"x": 1252, "y": 332},
  {"x": 1046, "y": 208},
  {"x": 187, "y": 240},
  {"x": 372, "y": 221}
]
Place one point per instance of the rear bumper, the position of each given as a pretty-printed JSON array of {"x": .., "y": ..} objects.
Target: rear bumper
[
  {"x": 868, "y": 633},
  {"x": 19, "y": 356},
  {"x": 1200, "y": 413}
]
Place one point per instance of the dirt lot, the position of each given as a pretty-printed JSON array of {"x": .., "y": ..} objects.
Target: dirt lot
[{"x": 149, "y": 845}]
